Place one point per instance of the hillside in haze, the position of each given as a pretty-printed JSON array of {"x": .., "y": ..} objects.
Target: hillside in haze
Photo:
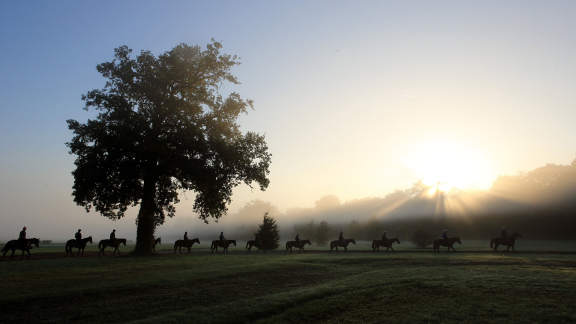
[{"x": 541, "y": 204}]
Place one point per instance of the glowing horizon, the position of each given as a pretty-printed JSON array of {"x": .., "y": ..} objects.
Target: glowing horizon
[{"x": 445, "y": 165}]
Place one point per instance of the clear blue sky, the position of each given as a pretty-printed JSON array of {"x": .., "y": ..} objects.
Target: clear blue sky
[{"x": 345, "y": 91}]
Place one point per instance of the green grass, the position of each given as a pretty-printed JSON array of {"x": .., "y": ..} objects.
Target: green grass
[{"x": 314, "y": 287}]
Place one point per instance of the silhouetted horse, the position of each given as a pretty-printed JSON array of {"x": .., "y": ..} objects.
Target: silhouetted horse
[
  {"x": 341, "y": 243},
  {"x": 156, "y": 242},
  {"x": 297, "y": 245},
  {"x": 179, "y": 244},
  {"x": 509, "y": 241},
  {"x": 70, "y": 244},
  {"x": 17, "y": 245},
  {"x": 252, "y": 243},
  {"x": 223, "y": 244},
  {"x": 111, "y": 243},
  {"x": 376, "y": 244},
  {"x": 449, "y": 242}
]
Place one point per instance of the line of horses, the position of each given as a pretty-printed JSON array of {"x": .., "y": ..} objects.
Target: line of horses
[{"x": 509, "y": 242}]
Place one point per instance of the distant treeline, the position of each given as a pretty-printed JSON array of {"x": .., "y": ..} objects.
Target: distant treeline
[{"x": 540, "y": 204}]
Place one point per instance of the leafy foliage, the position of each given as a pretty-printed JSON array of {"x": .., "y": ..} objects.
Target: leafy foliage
[
  {"x": 267, "y": 236},
  {"x": 163, "y": 127}
]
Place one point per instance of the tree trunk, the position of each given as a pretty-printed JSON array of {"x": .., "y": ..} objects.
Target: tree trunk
[{"x": 145, "y": 230}]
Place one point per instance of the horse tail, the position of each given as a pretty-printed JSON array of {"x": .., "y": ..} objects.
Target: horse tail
[{"x": 492, "y": 243}]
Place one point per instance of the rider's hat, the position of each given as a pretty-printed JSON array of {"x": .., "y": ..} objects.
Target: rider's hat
[{"x": 24, "y": 227}]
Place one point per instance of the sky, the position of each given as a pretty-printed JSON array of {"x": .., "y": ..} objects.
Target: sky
[{"x": 356, "y": 99}]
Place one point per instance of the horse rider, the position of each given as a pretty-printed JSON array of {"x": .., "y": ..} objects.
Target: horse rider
[
  {"x": 78, "y": 236},
  {"x": 222, "y": 238},
  {"x": 341, "y": 236},
  {"x": 113, "y": 236},
  {"x": 22, "y": 237},
  {"x": 384, "y": 237},
  {"x": 297, "y": 238},
  {"x": 504, "y": 233},
  {"x": 445, "y": 234},
  {"x": 185, "y": 236}
]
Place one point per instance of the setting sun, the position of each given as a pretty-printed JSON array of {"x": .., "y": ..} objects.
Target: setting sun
[{"x": 445, "y": 166}]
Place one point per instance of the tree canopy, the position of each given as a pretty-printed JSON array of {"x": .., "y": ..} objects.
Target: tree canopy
[{"x": 162, "y": 127}]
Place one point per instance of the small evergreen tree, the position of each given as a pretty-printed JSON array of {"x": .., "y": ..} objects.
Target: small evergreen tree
[{"x": 267, "y": 236}]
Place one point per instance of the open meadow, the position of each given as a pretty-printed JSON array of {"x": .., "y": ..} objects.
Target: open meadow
[{"x": 471, "y": 285}]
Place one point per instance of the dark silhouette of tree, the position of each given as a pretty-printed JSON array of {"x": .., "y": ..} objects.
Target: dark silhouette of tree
[
  {"x": 422, "y": 238},
  {"x": 163, "y": 127},
  {"x": 267, "y": 235},
  {"x": 322, "y": 233}
]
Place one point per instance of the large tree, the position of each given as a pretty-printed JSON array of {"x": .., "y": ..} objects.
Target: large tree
[{"x": 163, "y": 126}]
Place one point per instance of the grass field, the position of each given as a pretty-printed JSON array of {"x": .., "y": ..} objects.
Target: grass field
[{"x": 275, "y": 287}]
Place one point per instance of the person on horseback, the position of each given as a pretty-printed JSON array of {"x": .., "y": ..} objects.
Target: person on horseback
[
  {"x": 113, "y": 236},
  {"x": 222, "y": 238},
  {"x": 384, "y": 237},
  {"x": 185, "y": 236},
  {"x": 504, "y": 233},
  {"x": 444, "y": 234},
  {"x": 78, "y": 237},
  {"x": 297, "y": 238},
  {"x": 22, "y": 237},
  {"x": 341, "y": 236}
]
